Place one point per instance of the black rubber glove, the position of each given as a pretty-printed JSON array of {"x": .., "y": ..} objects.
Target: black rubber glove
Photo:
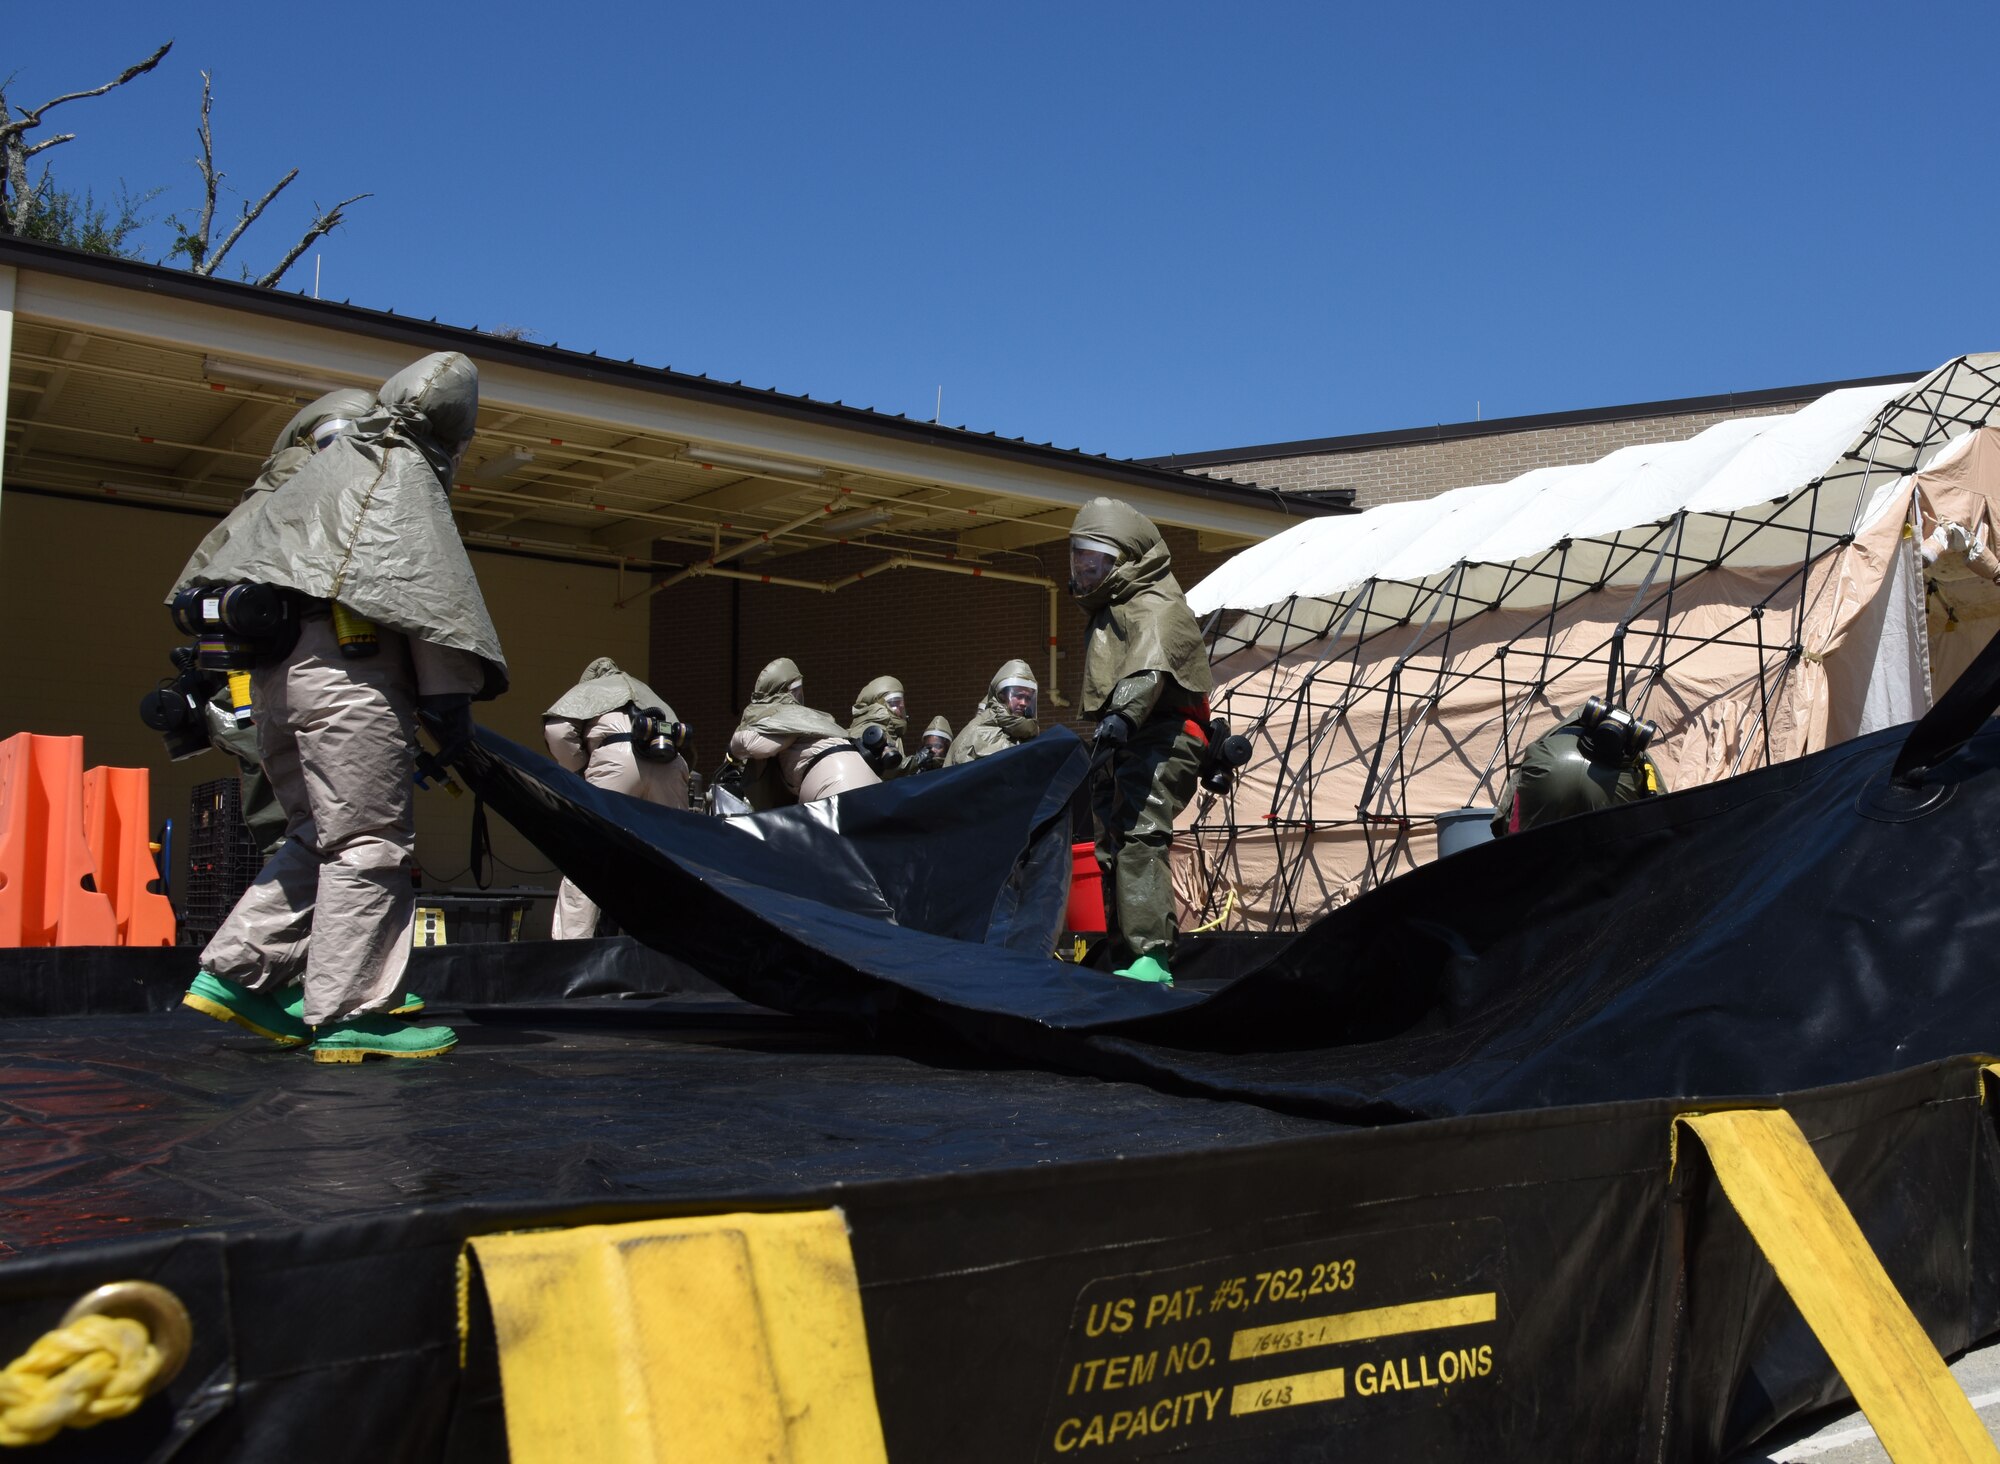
[
  {"x": 448, "y": 718},
  {"x": 1115, "y": 730},
  {"x": 730, "y": 776}
]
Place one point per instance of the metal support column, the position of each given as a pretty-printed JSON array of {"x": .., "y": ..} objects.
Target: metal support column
[{"x": 6, "y": 360}]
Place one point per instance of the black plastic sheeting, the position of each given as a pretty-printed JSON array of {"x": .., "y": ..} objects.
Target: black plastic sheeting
[
  {"x": 1633, "y": 1317},
  {"x": 1803, "y": 925},
  {"x": 116, "y": 1125}
]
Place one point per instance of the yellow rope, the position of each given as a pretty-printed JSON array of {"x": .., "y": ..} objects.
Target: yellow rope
[
  {"x": 95, "y": 1368},
  {"x": 464, "y": 1287},
  {"x": 1215, "y": 924}
]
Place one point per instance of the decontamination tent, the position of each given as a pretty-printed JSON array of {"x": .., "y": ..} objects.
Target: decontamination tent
[{"x": 1770, "y": 586}]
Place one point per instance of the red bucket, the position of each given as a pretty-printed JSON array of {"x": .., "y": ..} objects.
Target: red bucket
[{"x": 1086, "y": 891}]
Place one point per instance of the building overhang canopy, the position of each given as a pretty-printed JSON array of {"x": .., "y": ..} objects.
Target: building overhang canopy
[{"x": 148, "y": 385}]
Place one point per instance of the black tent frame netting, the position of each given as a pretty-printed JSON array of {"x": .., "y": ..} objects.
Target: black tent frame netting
[{"x": 1302, "y": 722}]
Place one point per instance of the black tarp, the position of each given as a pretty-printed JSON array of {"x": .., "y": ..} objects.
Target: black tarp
[
  {"x": 1633, "y": 1318},
  {"x": 1806, "y": 924}
]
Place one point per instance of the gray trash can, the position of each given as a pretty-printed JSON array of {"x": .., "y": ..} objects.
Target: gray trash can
[{"x": 1462, "y": 828}]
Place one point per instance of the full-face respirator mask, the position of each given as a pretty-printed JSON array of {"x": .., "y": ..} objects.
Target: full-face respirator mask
[
  {"x": 877, "y": 751},
  {"x": 931, "y": 752},
  {"x": 1227, "y": 751},
  {"x": 177, "y": 709},
  {"x": 1611, "y": 736},
  {"x": 1090, "y": 561},
  {"x": 1020, "y": 698},
  {"x": 655, "y": 738}
]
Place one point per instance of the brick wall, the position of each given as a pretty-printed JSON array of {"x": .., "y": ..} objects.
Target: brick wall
[
  {"x": 942, "y": 635},
  {"x": 1400, "y": 473}
]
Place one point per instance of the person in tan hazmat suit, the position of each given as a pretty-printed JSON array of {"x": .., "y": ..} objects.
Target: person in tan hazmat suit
[
  {"x": 882, "y": 704},
  {"x": 231, "y": 727},
  {"x": 1146, "y": 681},
  {"x": 1005, "y": 717},
  {"x": 789, "y": 753},
  {"x": 591, "y": 730},
  {"x": 351, "y": 595}
]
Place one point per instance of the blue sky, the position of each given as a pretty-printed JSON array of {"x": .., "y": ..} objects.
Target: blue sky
[{"x": 1130, "y": 228}]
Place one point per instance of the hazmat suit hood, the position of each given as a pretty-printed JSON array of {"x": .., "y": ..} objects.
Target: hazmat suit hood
[
  {"x": 433, "y": 404},
  {"x": 871, "y": 708},
  {"x": 604, "y": 688},
  {"x": 773, "y": 712},
  {"x": 291, "y": 451},
  {"x": 993, "y": 709},
  {"x": 993, "y": 728},
  {"x": 1139, "y": 619},
  {"x": 293, "y": 448},
  {"x": 367, "y": 521},
  {"x": 938, "y": 724}
]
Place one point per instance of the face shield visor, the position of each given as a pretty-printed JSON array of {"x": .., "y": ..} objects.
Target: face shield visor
[
  {"x": 331, "y": 428},
  {"x": 1090, "y": 560},
  {"x": 937, "y": 744},
  {"x": 1020, "y": 698},
  {"x": 895, "y": 703},
  {"x": 797, "y": 691}
]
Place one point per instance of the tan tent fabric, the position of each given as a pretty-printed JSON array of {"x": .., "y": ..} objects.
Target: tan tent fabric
[{"x": 1962, "y": 598}]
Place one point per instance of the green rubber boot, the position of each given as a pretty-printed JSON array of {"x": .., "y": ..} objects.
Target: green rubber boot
[
  {"x": 412, "y": 1004},
  {"x": 1148, "y": 968},
  {"x": 374, "y": 1035},
  {"x": 223, "y": 999}
]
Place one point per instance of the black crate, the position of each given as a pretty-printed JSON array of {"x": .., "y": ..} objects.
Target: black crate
[{"x": 222, "y": 859}]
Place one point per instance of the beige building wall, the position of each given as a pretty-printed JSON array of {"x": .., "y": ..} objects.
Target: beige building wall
[{"x": 81, "y": 586}]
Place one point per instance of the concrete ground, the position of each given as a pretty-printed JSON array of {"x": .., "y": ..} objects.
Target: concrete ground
[{"x": 1844, "y": 1437}]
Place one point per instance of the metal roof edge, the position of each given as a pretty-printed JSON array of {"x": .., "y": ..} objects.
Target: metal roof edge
[
  {"x": 1501, "y": 426},
  {"x": 429, "y": 335}
]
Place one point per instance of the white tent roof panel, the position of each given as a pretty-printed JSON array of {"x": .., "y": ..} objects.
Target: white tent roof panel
[{"x": 1730, "y": 466}]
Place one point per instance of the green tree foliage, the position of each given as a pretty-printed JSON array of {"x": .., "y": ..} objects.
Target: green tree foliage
[{"x": 56, "y": 215}]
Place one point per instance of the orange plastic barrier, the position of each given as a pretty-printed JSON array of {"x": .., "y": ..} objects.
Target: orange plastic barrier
[
  {"x": 117, "y": 822},
  {"x": 47, "y": 891}
]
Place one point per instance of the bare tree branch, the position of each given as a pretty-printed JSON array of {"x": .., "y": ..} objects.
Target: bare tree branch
[
  {"x": 21, "y": 202},
  {"x": 32, "y": 117},
  {"x": 325, "y": 224},
  {"x": 197, "y": 249},
  {"x": 13, "y": 146},
  {"x": 207, "y": 266}
]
